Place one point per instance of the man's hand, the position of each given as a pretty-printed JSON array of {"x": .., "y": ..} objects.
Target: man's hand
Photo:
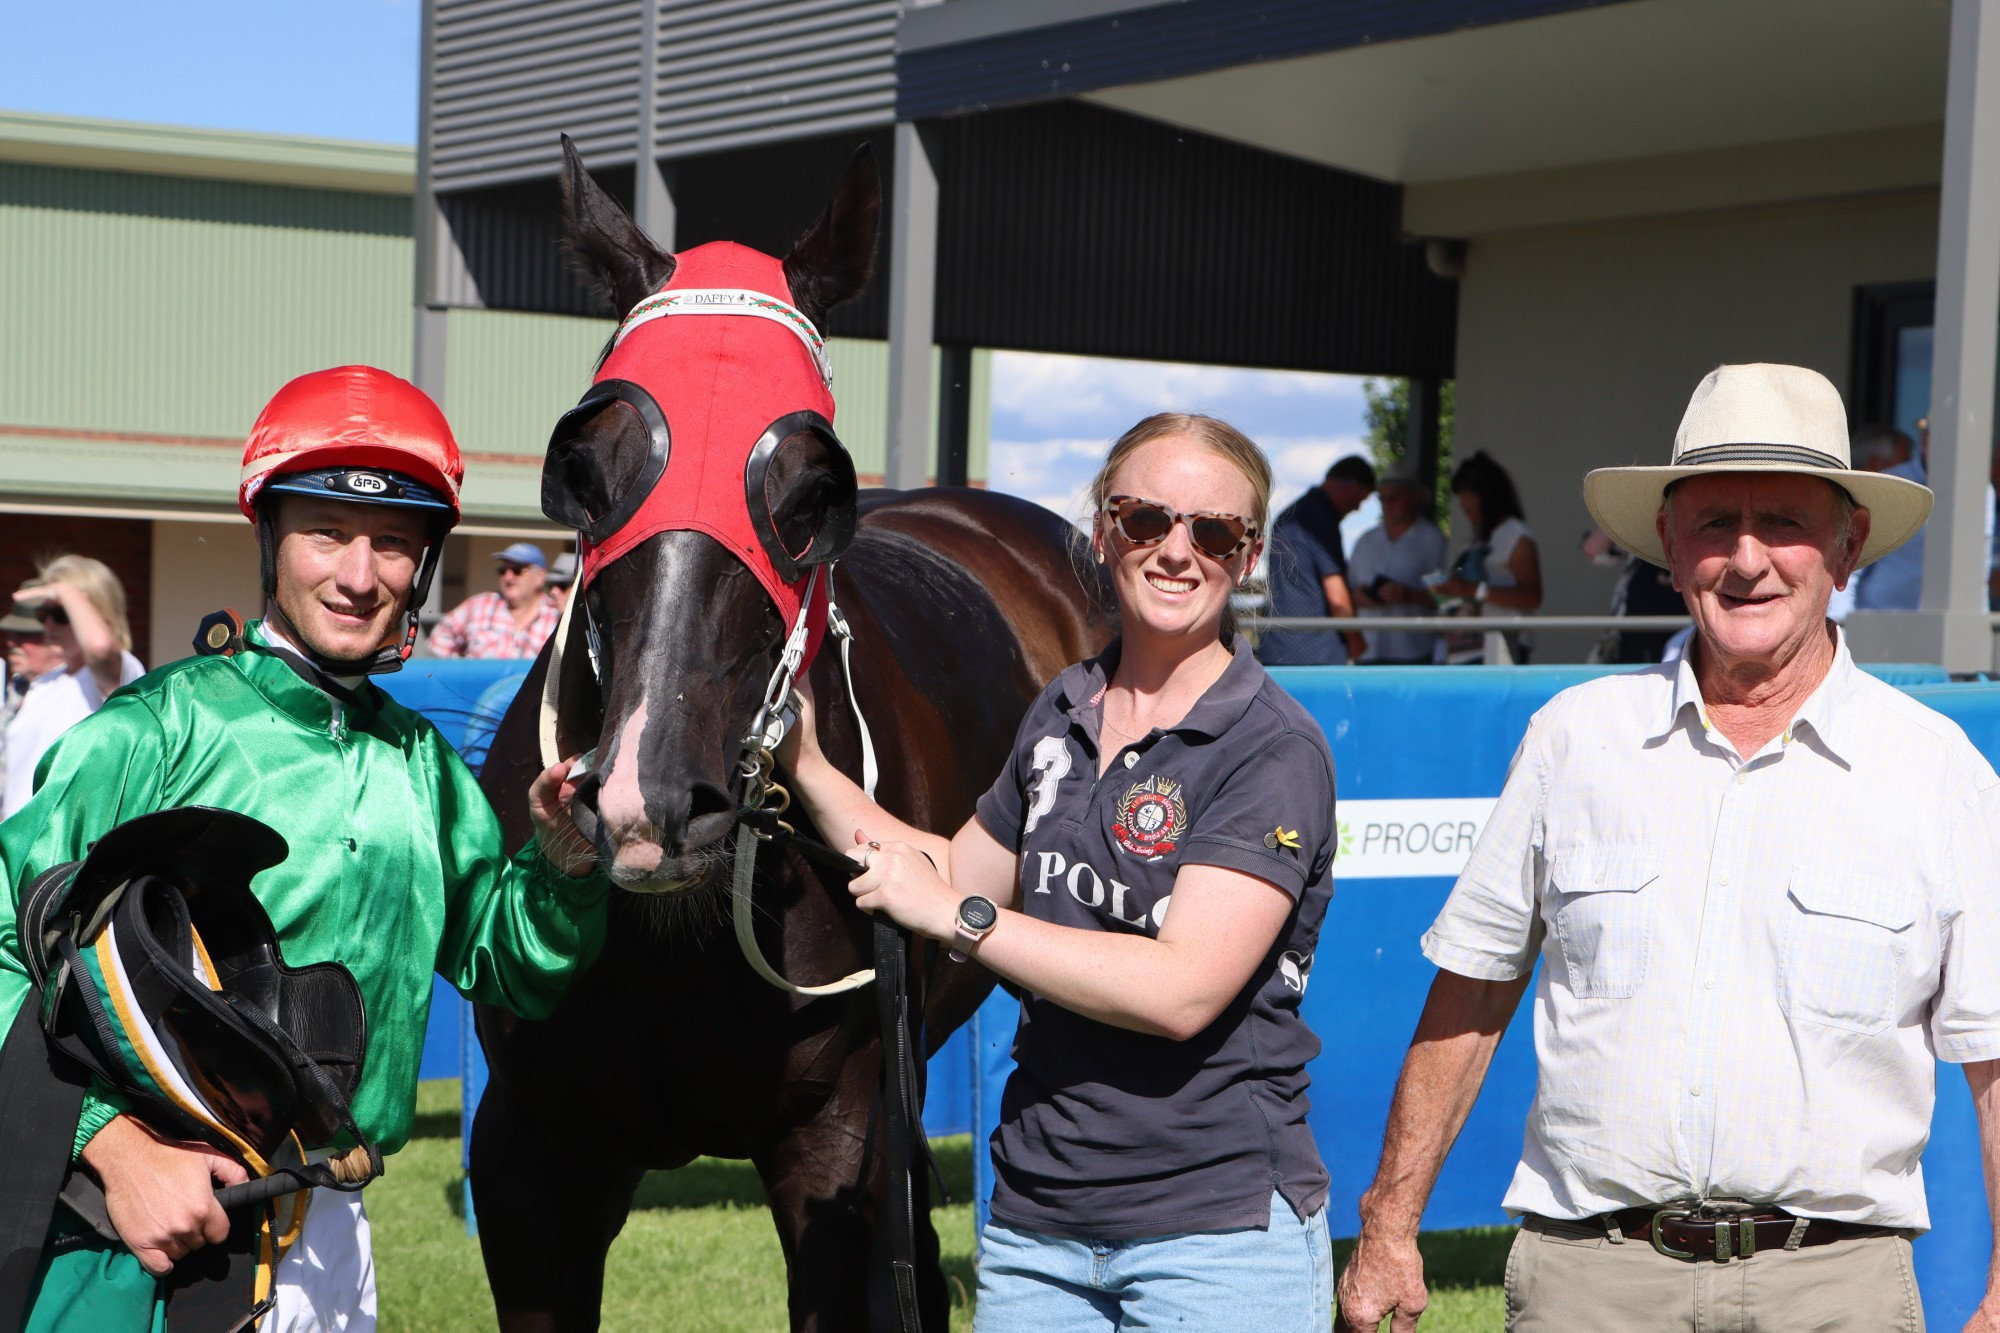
[
  {"x": 1986, "y": 1319},
  {"x": 160, "y": 1193},
  {"x": 549, "y": 798},
  {"x": 1384, "y": 1278}
]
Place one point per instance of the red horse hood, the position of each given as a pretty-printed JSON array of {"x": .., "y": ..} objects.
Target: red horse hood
[{"x": 720, "y": 382}]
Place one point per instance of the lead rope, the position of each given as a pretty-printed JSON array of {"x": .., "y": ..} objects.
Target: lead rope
[
  {"x": 552, "y": 682},
  {"x": 774, "y": 718}
]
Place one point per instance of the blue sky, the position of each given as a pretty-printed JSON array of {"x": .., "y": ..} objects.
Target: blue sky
[{"x": 347, "y": 69}]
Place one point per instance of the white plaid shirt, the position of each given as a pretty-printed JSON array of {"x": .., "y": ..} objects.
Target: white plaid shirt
[{"x": 1749, "y": 968}]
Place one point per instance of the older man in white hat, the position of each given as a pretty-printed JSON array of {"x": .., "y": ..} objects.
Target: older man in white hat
[{"x": 1761, "y": 887}]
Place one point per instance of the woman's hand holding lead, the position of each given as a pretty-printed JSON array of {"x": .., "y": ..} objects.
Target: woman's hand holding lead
[{"x": 899, "y": 879}]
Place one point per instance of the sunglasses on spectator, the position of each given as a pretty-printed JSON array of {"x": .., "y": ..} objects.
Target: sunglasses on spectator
[
  {"x": 52, "y": 615},
  {"x": 511, "y": 568},
  {"x": 1147, "y": 523}
]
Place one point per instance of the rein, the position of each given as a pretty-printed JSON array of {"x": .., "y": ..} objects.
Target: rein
[{"x": 763, "y": 799}]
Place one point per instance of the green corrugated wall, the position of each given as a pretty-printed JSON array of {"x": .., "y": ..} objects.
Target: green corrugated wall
[
  {"x": 174, "y": 306},
  {"x": 143, "y": 307}
]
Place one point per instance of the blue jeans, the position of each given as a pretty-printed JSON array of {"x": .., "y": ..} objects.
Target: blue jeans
[{"x": 1274, "y": 1281}]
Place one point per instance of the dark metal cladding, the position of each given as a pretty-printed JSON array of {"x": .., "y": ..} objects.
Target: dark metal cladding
[
  {"x": 732, "y": 74},
  {"x": 1164, "y": 41},
  {"x": 765, "y": 197},
  {"x": 1062, "y": 228},
  {"x": 511, "y": 237},
  {"x": 1071, "y": 228},
  {"x": 508, "y": 75}
]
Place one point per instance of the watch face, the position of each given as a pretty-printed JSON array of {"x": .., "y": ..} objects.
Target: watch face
[{"x": 978, "y": 913}]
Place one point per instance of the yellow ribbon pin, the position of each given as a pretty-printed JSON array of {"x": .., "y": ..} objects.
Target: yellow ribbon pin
[{"x": 1283, "y": 837}]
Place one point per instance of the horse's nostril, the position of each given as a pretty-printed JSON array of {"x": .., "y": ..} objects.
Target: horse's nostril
[{"x": 587, "y": 788}]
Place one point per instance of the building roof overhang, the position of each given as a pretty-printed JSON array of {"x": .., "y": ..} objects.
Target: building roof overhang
[
  {"x": 173, "y": 150},
  {"x": 1460, "y": 92}
]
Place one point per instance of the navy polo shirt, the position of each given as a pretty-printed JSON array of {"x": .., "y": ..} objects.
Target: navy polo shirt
[{"x": 1109, "y": 1133}]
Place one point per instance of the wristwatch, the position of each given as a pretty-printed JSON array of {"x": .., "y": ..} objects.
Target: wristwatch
[{"x": 976, "y": 916}]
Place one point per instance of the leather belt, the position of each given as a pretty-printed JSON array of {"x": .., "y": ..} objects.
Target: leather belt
[{"x": 1681, "y": 1231}]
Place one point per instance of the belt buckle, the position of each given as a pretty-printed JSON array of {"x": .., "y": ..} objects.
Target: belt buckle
[
  {"x": 1735, "y": 1231},
  {"x": 1670, "y": 1213}
]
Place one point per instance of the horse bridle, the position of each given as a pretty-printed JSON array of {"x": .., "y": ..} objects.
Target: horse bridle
[{"x": 761, "y": 799}]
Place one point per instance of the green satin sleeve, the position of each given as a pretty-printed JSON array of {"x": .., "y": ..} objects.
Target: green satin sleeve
[
  {"x": 101, "y": 1105},
  {"x": 516, "y": 929}
]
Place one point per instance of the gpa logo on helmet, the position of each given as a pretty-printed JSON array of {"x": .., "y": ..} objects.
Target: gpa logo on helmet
[
  {"x": 366, "y": 483},
  {"x": 1151, "y": 818}
]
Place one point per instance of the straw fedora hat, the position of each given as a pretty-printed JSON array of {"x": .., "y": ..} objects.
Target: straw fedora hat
[{"x": 1757, "y": 418}]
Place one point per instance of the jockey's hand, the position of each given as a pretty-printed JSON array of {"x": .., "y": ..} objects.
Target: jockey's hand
[
  {"x": 549, "y": 798},
  {"x": 160, "y": 1193}
]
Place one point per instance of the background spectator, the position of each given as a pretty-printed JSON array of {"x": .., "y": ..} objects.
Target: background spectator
[
  {"x": 1896, "y": 581},
  {"x": 562, "y": 575},
  {"x": 1389, "y": 564},
  {"x": 1643, "y": 589},
  {"x": 30, "y": 656},
  {"x": 1308, "y": 568},
  {"x": 1502, "y": 568},
  {"x": 81, "y": 607},
  {"x": 513, "y": 622}
]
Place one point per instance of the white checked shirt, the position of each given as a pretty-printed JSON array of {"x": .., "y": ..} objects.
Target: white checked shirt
[{"x": 1749, "y": 967}]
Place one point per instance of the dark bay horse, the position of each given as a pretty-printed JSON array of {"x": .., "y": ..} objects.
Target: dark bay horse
[{"x": 964, "y": 604}]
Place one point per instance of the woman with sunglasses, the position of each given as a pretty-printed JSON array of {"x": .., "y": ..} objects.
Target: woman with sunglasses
[
  {"x": 1153, "y": 1165},
  {"x": 81, "y": 606}
]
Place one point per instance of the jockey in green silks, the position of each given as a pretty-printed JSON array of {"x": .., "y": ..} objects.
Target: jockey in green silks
[{"x": 396, "y": 867}]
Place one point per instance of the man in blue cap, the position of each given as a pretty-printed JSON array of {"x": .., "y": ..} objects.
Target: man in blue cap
[{"x": 513, "y": 622}]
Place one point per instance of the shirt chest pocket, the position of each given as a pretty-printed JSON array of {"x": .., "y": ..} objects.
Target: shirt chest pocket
[
  {"x": 1846, "y": 937},
  {"x": 1604, "y": 905}
]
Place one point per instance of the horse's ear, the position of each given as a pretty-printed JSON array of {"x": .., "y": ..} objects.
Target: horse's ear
[
  {"x": 605, "y": 246},
  {"x": 833, "y": 261}
]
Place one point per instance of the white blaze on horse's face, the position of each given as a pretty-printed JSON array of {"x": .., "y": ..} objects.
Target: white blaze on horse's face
[{"x": 622, "y": 808}]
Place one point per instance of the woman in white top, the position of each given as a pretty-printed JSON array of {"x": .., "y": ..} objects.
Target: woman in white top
[
  {"x": 82, "y": 609},
  {"x": 1502, "y": 568}
]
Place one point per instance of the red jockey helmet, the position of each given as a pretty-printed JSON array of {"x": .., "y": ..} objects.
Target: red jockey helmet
[{"x": 354, "y": 417}]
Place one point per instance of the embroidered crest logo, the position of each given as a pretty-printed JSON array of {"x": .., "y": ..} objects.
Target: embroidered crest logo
[
  {"x": 1049, "y": 766},
  {"x": 1151, "y": 818}
]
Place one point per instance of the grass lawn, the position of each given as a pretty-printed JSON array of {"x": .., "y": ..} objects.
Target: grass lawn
[{"x": 698, "y": 1251}]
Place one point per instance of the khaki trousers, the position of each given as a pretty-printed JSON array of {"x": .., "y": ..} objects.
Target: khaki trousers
[{"x": 1565, "y": 1277}]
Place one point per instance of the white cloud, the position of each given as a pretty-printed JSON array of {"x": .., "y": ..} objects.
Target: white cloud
[
  {"x": 1034, "y": 391},
  {"x": 1056, "y": 472}
]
